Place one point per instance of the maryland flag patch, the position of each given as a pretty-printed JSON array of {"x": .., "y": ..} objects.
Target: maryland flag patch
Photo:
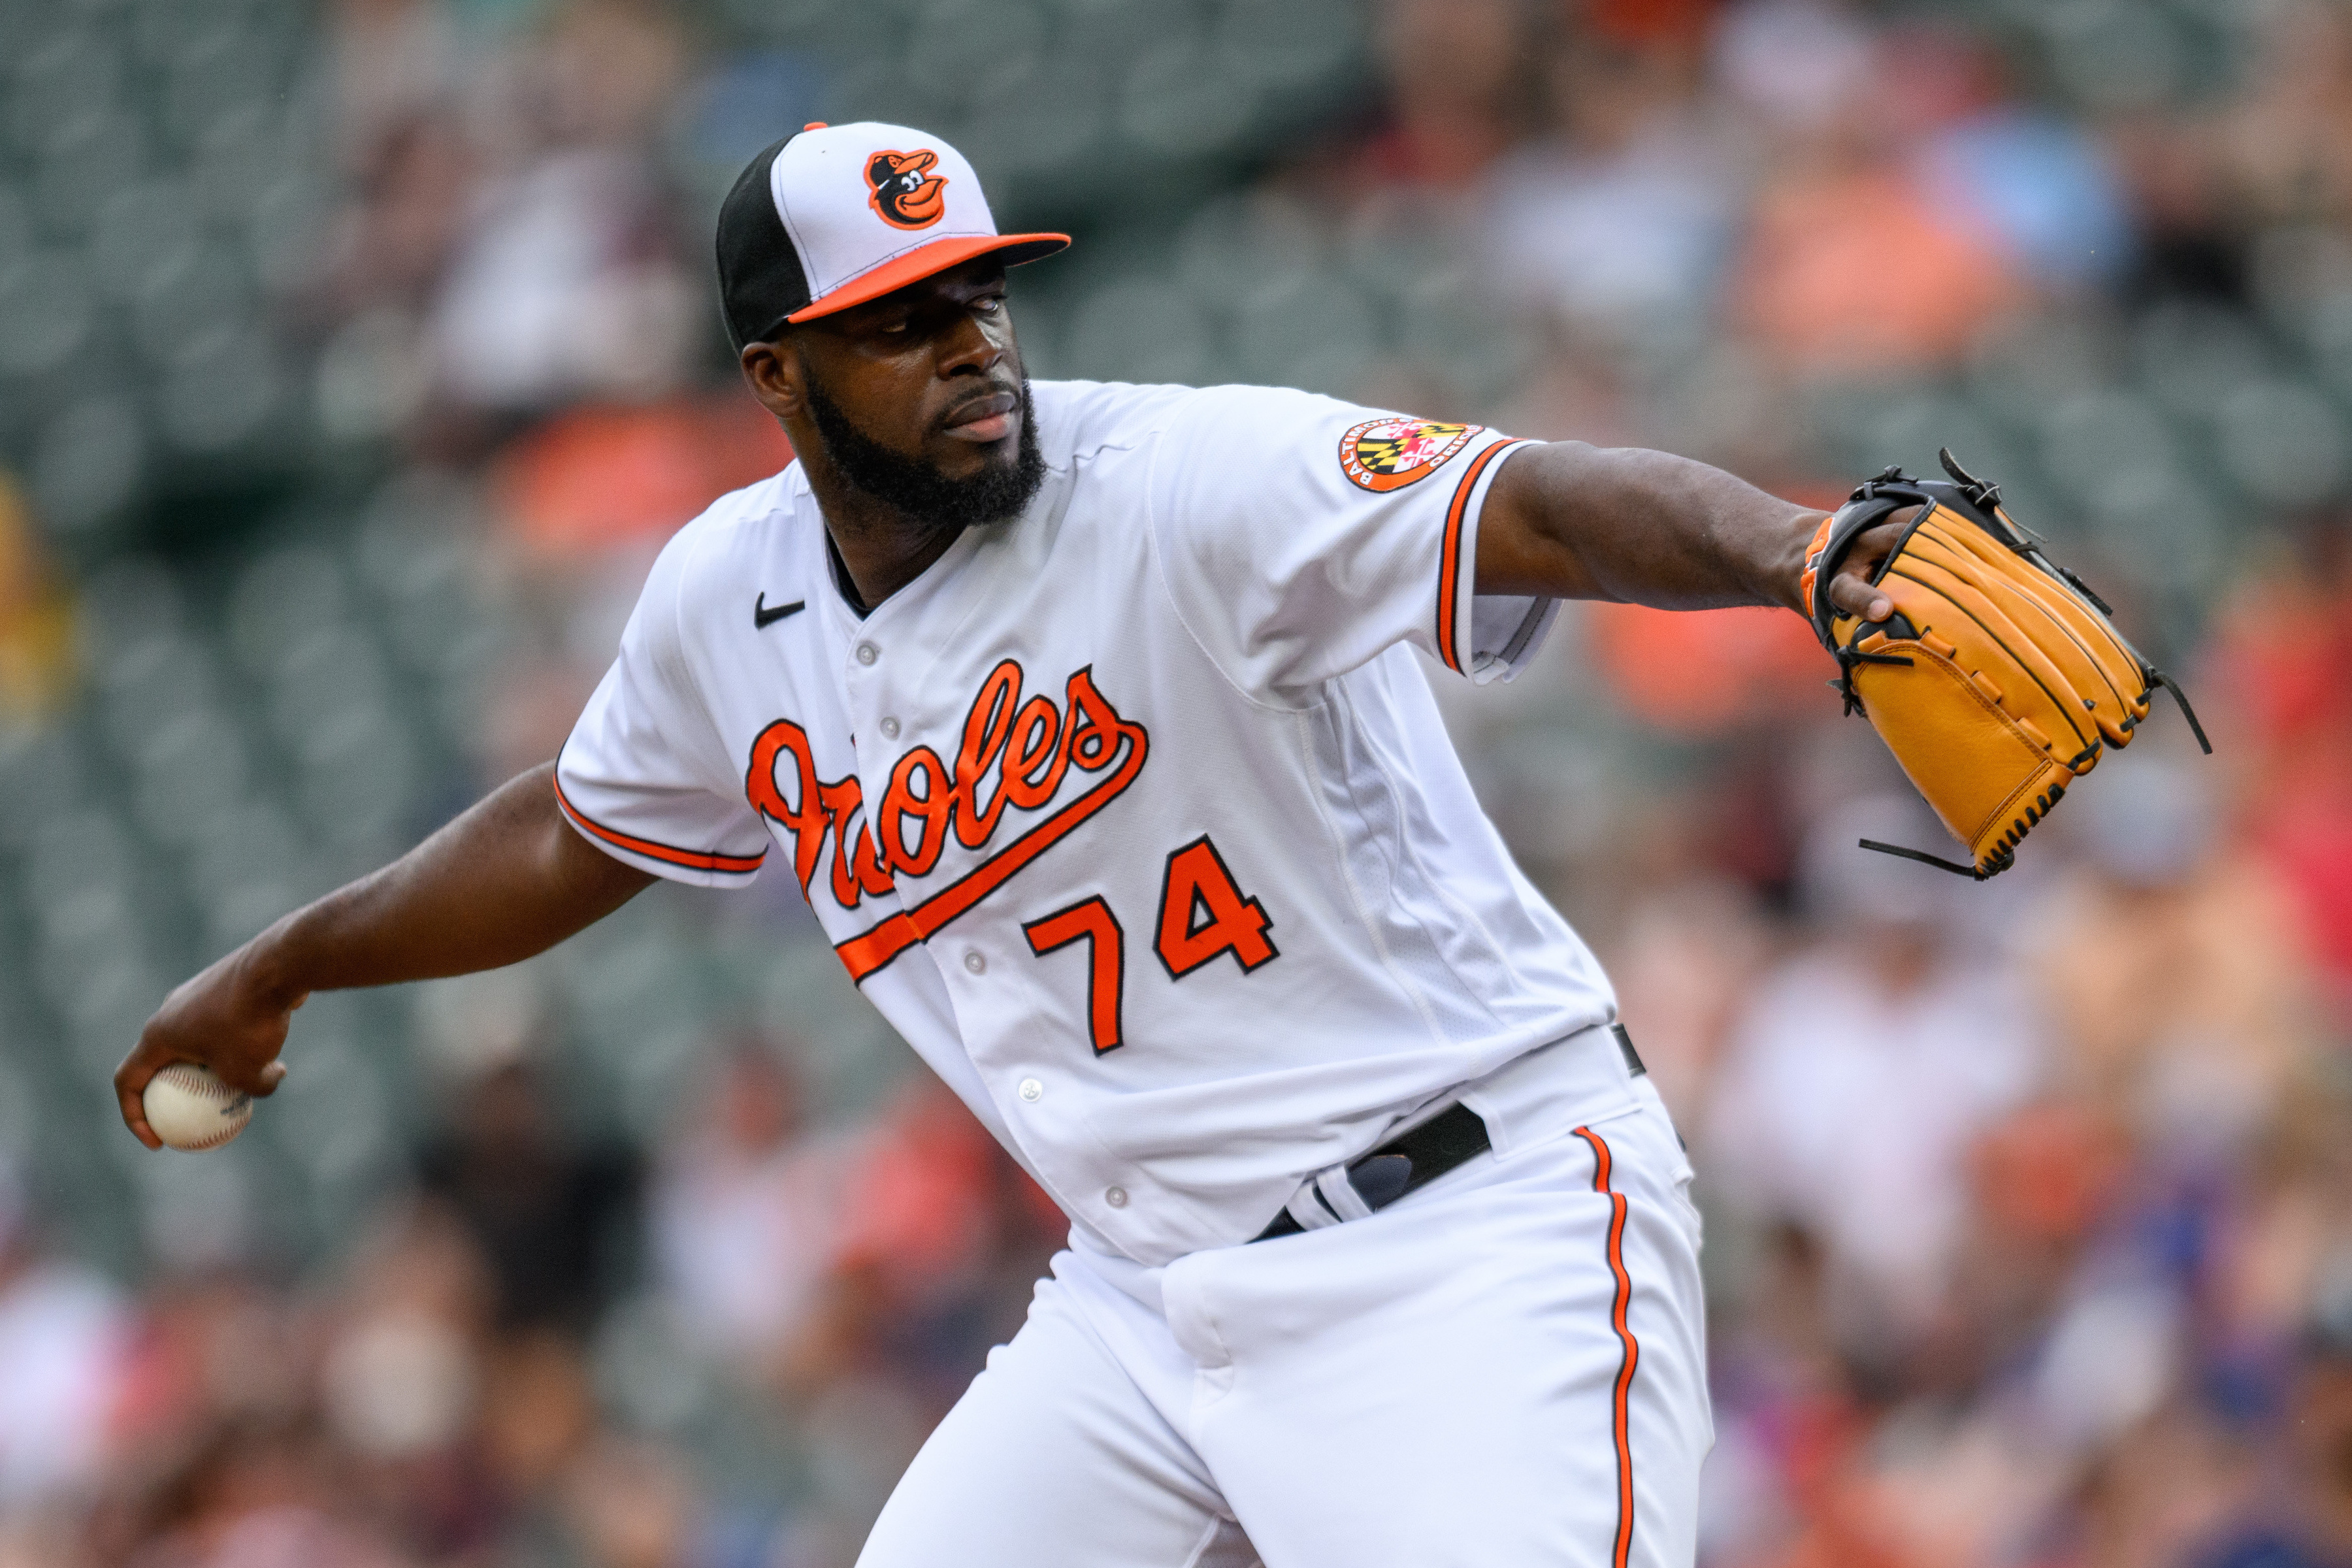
[{"x": 1390, "y": 454}]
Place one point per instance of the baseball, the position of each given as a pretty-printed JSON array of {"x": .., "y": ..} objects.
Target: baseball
[{"x": 190, "y": 1108}]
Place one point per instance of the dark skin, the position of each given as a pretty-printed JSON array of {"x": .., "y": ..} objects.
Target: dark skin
[{"x": 932, "y": 372}]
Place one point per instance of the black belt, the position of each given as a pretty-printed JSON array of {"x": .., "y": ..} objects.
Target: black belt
[{"x": 1451, "y": 1138}]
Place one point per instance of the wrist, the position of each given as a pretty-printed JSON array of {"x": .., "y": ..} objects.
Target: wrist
[
  {"x": 1785, "y": 581},
  {"x": 264, "y": 970}
]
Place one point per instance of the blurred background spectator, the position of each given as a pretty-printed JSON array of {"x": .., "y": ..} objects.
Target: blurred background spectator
[{"x": 355, "y": 359}]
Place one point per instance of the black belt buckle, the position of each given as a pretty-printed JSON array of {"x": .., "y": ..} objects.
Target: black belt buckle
[{"x": 1451, "y": 1138}]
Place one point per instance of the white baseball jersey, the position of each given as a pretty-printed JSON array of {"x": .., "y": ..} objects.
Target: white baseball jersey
[{"x": 1133, "y": 814}]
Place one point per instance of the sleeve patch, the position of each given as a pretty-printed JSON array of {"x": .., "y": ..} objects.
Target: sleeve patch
[{"x": 1390, "y": 453}]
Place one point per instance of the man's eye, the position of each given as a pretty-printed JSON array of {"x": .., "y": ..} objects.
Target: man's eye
[
  {"x": 896, "y": 326},
  {"x": 992, "y": 304}
]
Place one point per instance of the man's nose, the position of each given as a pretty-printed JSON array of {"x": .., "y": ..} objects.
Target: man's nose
[{"x": 967, "y": 348}]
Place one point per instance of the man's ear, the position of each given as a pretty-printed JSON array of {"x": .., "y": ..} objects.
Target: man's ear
[{"x": 779, "y": 378}]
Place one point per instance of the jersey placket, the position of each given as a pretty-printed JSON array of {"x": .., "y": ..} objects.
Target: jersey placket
[{"x": 884, "y": 720}]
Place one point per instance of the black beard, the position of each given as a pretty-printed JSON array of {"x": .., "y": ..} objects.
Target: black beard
[{"x": 918, "y": 490}]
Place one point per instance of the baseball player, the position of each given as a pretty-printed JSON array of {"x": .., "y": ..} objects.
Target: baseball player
[{"x": 1088, "y": 720}]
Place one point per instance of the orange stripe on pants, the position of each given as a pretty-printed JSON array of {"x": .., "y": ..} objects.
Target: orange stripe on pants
[{"x": 1618, "y": 1419}]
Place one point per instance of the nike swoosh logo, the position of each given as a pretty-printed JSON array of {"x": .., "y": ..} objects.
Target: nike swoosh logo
[{"x": 763, "y": 617}]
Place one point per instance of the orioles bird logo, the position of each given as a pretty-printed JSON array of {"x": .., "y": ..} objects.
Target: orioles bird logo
[{"x": 906, "y": 194}]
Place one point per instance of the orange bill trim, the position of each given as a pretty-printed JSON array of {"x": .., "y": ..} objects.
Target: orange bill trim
[
  {"x": 693, "y": 859},
  {"x": 1450, "y": 562},
  {"x": 867, "y": 952},
  {"x": 1620, "y": 1414}
]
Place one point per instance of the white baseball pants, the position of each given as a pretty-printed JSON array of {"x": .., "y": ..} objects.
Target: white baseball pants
[{"x": 1506, "y": 1368}]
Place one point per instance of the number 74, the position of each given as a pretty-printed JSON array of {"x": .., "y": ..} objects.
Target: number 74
[{"x": 1203, "y": 913}]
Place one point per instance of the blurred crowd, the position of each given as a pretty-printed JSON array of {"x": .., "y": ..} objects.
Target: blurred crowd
[
  {"x": 452, "y": 1389},
  {"x": 2030, "y": 1203}
]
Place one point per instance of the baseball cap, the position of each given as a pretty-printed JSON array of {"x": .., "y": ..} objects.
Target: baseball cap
[{"x": 833, "y": 215}]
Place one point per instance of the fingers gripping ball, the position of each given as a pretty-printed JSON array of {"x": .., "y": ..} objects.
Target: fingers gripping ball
[
  {"x": 1999, "y": 679},
  {"x": 190, "y": 1108}
]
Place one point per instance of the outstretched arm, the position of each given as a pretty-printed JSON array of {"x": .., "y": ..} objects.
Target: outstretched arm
[
  {"x": 1575, "y": 522},
  {"x": 506, "y": 880}
]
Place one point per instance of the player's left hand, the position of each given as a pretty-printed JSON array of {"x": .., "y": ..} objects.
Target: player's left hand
[{"x": 1851, "y": 589}]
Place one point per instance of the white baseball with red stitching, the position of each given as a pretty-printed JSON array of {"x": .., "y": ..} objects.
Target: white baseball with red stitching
[{"x": 191, "y": 1109}]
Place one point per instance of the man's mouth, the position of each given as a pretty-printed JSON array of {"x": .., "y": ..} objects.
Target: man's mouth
[{"x": 984, "y": 419}]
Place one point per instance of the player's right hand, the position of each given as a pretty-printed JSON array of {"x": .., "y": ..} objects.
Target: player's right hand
[{"x": 227, "y": 1018}]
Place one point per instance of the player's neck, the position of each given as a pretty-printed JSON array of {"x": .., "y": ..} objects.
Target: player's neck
[{"x": 881, "y": 548}]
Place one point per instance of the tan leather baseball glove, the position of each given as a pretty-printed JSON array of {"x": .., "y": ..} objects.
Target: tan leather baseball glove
[{"x": 1998, "y": 678}]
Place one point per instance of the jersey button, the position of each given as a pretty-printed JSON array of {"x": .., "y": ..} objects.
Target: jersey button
[
  {"x": 1116, "y": 1197},
  {"x": 889, "y": 727},
  {"x": 976, "y": 963},
  {"x": 1032, "y": 1091},
  {"x": 867, "y": 652}
]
